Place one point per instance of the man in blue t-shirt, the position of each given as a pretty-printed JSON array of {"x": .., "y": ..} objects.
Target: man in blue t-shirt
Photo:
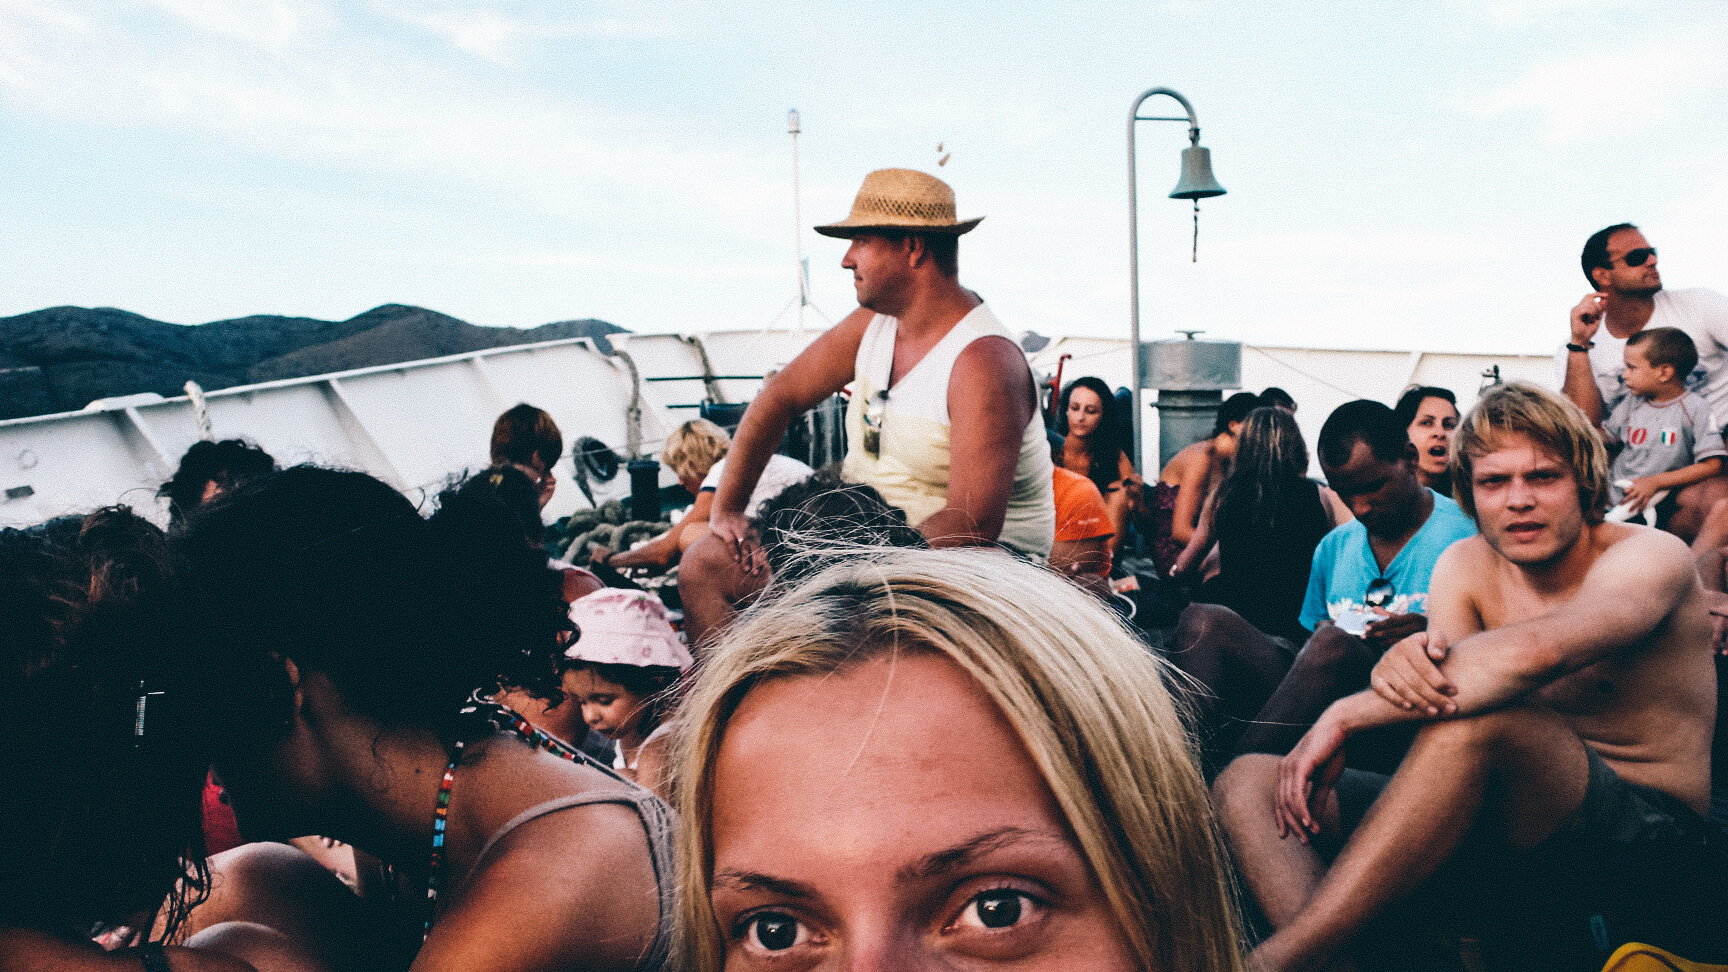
[{"x": 1368, "y": 587}]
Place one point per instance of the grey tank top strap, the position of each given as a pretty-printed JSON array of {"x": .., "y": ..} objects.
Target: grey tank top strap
[{"x": 657, "y": 822}]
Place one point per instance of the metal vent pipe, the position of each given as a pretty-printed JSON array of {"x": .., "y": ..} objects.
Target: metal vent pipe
[{"x": 1190, "y": 377}]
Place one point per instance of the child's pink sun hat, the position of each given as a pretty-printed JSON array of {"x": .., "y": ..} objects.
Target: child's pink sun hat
[{"x": 623, "y": 627}]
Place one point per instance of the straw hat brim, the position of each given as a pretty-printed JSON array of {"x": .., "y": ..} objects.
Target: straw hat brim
[{"x": 848, "y": 228}]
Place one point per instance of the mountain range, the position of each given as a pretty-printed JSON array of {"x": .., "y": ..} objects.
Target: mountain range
[{"x": 62, "y": 358}]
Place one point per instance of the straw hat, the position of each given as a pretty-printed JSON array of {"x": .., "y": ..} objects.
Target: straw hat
[
  {"x": 901, "y": 199},
  {"x": 620, "y": 627}
]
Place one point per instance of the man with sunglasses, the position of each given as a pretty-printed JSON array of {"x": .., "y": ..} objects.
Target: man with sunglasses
[
  {"x": 1628, "y": 297},
  {"x": 1367, "y": 588}
]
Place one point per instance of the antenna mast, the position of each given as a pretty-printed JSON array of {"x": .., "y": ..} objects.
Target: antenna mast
[{"x": 792, "y": 126}]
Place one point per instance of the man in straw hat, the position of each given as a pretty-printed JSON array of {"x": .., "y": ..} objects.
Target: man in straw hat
[{"x": 943, "y": 419}]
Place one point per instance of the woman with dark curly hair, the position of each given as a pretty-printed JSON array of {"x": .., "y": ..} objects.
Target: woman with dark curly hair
[
  {"x": 1098, "y": 438},
  {"x": 102, "y": 838},
  {"x": 358, "y": 643}
]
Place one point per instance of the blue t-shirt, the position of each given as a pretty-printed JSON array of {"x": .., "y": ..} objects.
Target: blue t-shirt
[{"x": 1344, "y": 565}]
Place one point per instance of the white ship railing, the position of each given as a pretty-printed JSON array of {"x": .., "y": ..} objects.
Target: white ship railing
[{"x": 417, "y": 424}]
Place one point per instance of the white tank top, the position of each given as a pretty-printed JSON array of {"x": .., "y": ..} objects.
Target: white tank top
[{"x": 911, "y": 467}]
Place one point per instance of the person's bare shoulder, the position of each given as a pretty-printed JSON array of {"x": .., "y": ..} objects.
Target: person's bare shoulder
[
  {"x": 1463, "y": 575},
  {"x": 575, "y": 887},
  {"x": 849, "y": 329},
  {"x": 1657, "y": 553},
  {"x": 1470, "y": 552},
  {"x": 993, "y": 359}
]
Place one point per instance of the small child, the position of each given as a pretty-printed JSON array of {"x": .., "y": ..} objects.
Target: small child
[
  {"x": 1665, "y": 435},
  {"x": 627, "y": 663}
]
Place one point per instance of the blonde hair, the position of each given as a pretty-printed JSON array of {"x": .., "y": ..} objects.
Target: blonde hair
[
  {"x": 694, "y": 447},
  {"x": 1088, "y": 701},
  {"x": 1553, "y": 423}
]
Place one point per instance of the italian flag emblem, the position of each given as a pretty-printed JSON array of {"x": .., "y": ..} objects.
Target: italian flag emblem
[{"x": 1668, "y": 436}]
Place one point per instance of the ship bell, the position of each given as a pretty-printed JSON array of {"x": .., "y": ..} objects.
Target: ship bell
[{"x": 1197, "y": 181}]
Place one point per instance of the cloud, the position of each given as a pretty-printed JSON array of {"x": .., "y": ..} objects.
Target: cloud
[
  {"x": 1586, "y": 96},
  {"x": 353, "y": 102},
  {"x": 498, "y": 37},
  {"x": 267, "y": 23},
  {"x": 1519, "y": 12}
]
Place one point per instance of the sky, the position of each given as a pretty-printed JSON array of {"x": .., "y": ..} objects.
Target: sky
[{"x": 1412, "y": 175}]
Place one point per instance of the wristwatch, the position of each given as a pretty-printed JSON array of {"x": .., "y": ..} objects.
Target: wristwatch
[{"x": 1580, "y": 348}]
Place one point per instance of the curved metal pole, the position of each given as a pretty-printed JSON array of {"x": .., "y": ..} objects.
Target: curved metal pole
[{"x": 1134, "y": 250}]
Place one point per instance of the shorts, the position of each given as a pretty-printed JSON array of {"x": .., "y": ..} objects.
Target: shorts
[
  {"x": 1618, "y": 812},
  {"x": 1613, "y": 811},
  {"x": 1632, "y": 864}
]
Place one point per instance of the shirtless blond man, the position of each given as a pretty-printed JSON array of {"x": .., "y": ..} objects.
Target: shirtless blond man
[{"x": 1565, "y": 680}]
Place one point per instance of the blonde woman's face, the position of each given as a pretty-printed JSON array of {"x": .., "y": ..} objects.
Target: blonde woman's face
[{"x": 888, "y": 818}]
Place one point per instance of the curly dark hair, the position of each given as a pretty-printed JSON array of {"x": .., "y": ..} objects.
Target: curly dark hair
[
  {"x": 340, "y": 573},
  {"x": 101, "y": 822},
  {"x": 505, "y": 487},
  {"x": 227, "y": 463},
  {"x": 806, "y": 521}
]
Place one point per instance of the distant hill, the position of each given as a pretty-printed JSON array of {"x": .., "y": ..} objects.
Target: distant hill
[{"x": 63, "y": 358}]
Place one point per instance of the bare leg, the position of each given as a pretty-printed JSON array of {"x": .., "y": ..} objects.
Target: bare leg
[
  {"x": 1520, "y": 772},
  {"x": 713, "y": 587},
  {"x": 1331, "y": 665},
  {"x": 1236, "y": 666},
  {"x": 1695, "y": 504},
  {"x": 1281, "y": 874}
]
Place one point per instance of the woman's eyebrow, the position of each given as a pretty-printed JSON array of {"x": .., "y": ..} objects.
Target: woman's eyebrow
[
  {"x": 754, "y": 881},
  {"x": 953, "y": 858}
]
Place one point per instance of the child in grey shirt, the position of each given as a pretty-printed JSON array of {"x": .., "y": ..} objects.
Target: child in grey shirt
[{"x": 1664, "y": 434}]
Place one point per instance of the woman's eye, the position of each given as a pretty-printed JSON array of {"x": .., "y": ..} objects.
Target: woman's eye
[
  {"x": 775, "y": 931},
  {"x": 1001, "y": 908}
]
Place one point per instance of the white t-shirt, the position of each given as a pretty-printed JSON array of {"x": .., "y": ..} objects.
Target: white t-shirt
[
  {"x": 1703, "y": 315},
  {"x": 781, "y": 472}
]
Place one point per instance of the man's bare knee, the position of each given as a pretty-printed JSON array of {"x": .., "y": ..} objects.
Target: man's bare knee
[
  {"x": 1249, "y": 779},
  {"x": 1196, "y": 620},
  {"x": 1332, "y": 647},
  {"x": 1694, "y": 505},
  {"x": 707, "y": 558}
]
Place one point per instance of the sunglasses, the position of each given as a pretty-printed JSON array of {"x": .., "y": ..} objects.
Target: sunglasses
[
  {"x": 874, "y": 413},
  {"x": 1379, "y": 593},
  {"x": 1638, "y": 257}
]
